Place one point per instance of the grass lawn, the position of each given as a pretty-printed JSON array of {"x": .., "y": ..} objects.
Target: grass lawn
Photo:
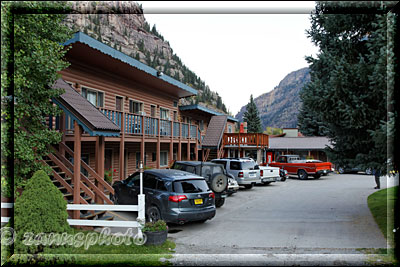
[
  {"x": 97, "y": 254},
  {"x": 382, "y": 206}
]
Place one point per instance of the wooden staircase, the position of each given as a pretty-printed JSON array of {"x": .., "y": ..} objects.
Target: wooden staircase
[{"x": 62, "y": 177}]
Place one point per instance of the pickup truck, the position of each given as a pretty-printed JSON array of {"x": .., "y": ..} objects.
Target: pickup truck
[
  {"x": 269, "y": 174},
  {"x": 302, "y": 168}
]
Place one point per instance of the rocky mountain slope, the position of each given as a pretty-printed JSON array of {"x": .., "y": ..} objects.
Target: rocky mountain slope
[
  {"x": 279, "y": 108},
  {"x": 122, "y": 25}
]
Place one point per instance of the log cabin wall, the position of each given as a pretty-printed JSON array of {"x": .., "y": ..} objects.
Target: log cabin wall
[{"x": 112, "y": 86}]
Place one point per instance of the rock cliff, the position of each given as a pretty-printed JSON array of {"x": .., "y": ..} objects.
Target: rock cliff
[
  {"x": 279, "y": 107},
  {"x": 122, "y": 25}
]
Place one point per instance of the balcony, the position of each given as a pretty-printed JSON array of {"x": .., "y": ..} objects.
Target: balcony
[
  {"x": 138, "y": 125},
  {"x": 258, "y": 140}
]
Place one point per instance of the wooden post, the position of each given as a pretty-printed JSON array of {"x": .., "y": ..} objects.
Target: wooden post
[
  {"x": 122, "y": 148},
  {"x": 188, "y": 144},
  {"x": 196, "y": 148},
  {"x": 142, "y": 155},
  {"x": 171, "y": 144},
  {"x": 158, "y": 144},
  {"x": 77, "y": 168},
  {"x": 63, "y": 131},
  {"x": 100, "y": 152},
  {"x": 180, "y": 142}
]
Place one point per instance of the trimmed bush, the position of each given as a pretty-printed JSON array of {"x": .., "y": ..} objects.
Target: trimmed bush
[{"x": 40, "y": 209}]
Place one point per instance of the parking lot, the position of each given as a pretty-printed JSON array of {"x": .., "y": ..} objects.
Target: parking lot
[{"x": 329, "y": 215}]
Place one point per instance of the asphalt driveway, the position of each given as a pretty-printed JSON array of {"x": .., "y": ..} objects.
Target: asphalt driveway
[{"x": 328, "y": 215}]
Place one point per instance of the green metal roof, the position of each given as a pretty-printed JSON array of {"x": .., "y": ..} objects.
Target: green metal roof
[
  {"x": 204, "y": 109},
  {"x": 107, "y": 50}
]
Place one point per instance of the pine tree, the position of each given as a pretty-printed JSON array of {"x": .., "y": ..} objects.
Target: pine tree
[
  {"x": 251, "y": 116},
  {"x": 346, "y": 98}
]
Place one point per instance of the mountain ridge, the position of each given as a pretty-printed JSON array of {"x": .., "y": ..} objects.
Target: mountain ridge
[{"x": 279, "y": 108}]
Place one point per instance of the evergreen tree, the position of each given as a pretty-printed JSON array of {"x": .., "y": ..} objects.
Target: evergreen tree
[
  {"x": 251, "y": 116},
  {"x": 346, "y": 98}
]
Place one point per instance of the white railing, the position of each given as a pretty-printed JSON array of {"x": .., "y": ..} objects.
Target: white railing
[
  {"x": 140, "y": 208},
  {"x": 5, "y": 205}
]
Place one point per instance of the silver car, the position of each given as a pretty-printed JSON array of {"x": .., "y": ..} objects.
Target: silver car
[{"x": 245, "y": 171}]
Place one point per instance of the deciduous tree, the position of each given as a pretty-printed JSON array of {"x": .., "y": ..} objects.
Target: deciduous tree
[{"x": 32, "y": 54}]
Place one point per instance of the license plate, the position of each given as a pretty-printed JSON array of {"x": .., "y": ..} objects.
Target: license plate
[
  {"x": 198, "y": 201},
  {"x": 252, "y": 175}
]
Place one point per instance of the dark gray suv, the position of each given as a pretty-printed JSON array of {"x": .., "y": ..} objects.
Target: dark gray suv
[
  {"x": 215, "y": 175},
  {"x": 171, "y": 195}
]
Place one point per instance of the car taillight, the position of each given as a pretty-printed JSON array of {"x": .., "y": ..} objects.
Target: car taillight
[
  {"x": 211, "y": 195},
  {"x": 177, "y": 198},
  {"x": 240, "y": 175},
  {"x": 261, "y": 173}
]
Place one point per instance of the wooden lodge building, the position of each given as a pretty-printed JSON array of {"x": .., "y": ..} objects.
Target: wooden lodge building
[{"x": 117, "y": 112}]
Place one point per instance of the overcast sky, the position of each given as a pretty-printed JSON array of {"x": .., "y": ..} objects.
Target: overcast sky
[{"x": 236, "y": 54}]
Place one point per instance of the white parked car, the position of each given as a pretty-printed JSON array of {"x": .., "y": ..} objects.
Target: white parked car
[{"x": 269, "y": 174}]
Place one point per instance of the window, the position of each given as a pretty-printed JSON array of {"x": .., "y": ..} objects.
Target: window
[
  {"x": 118, "y": 103},
  {"x": 153, "y": 156},
  {"x": 149, "y": 181},
  {"x": 175, "y": 115},
  {"x": 164, "y": 114},
  {"x": 191, "y": 186},
  {"x": 135, "y": 107},
  {"x": 153, "y": 111},
  {"x": 93, "y": 96},
  {"x": 229, "y": 128},
  {"x": 175, "y": 104},
  {"x": 161, "y": 185},
  {"x": 235, "y": 165},
  {"x": 163, "y": 158},
  {"x": 201, "y": 125}
]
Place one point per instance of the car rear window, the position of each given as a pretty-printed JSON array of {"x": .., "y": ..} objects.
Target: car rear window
[
  {"x": 191, "y": 186},
  {"x": 248, "y": 165}
]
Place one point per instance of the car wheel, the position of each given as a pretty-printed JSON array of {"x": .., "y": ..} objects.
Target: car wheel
[
  {"x": 317, "y": 176},
  {"x": 283, "y": 179},
  {"x": 153, "y": 214},
  {"x": 114, "y": 199},
  {"x": 302, "y": 174},
  {"x": 219, "y": 202},
  {"x": 218, "y": 183},
  {"x": 248, "y": 186},
  {"x": 341, "y": 170}
]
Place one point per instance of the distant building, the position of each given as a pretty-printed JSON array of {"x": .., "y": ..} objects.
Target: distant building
[{"x": 293, "y": 142}]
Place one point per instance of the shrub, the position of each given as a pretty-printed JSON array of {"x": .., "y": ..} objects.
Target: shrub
[
  {"x": 40, "y": 209},
  {"x": 157, "y": 226}
]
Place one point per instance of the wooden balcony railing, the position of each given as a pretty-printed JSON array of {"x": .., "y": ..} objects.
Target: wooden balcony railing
[
  {"x": 137, "y": 125},
  {"x": 245, "y": 139}
]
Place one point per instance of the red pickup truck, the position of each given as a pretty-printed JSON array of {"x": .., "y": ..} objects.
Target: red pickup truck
[{"x": 302, "y": 168}]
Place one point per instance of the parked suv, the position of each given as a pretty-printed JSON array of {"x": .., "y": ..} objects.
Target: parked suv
[
  {"x": 214, "y": 174},
  {"x": 171, "y": 195},
  {"x": 245, "y": 170}
]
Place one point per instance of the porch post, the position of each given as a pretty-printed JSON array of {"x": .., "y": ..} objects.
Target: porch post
[
  {"x": 188, "y": 144},
  {"x": 171, "y": 145},
  {"x": 196, "y": 148},
  {"x": 100, "y": 152},
  {"x": 77, "y": 167},
  {"x": 180, "y": 142},
  {"x": 158, "y": 144},
  {"x": 142, "y": 156},
  {"x": 122, "y": 148},
  {"x": 62, "y": 130}
]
